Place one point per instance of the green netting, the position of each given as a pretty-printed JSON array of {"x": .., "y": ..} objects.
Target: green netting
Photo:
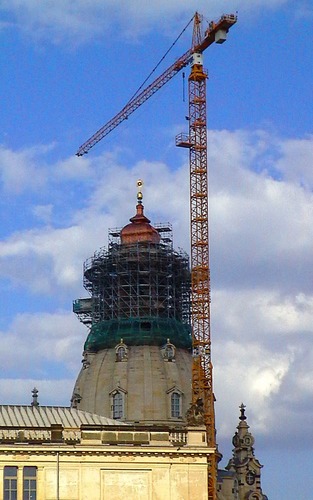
[{"x": 138, "y": 331}]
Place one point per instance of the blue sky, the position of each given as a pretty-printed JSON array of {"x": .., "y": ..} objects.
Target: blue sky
[{"x": 67, "y": 68}]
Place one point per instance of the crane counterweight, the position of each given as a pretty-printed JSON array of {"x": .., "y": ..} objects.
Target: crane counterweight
[{"x": 220, "y": 36}]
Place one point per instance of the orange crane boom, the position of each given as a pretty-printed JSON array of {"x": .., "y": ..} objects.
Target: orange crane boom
[
  {"x": 213, "y": 34},
  {"x": 202, "y": 377}
]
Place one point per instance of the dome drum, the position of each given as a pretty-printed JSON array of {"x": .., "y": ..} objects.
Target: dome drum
[{"x": 138, "y": 331}]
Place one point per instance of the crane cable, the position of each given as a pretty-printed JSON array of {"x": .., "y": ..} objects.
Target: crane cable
[{"x": 162, "y": 58}]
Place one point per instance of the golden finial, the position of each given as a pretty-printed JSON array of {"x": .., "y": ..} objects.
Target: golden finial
[{"x": 139, "y": 192}]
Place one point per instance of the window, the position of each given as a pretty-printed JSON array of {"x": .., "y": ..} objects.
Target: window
[
  {"x": 10, "y": 483},
  {"x": 175, "y": 402},
  {"x": 29, "y": 483},
  {"x": 146, "y": 326},
  {"x": 168, "y": 351},
  {"x": 118, "y": 405},
  {"x": 175, "y": 405},
  {"x": 250, "y": 478},
  {"x": 118, "y": 398},
  {"x": 120, "y": 353}
]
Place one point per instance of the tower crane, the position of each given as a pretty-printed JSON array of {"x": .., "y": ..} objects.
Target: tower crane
[{"x": 196, "y": 142}]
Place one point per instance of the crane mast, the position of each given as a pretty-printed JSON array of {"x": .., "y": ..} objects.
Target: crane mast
[{"x": 196, "y": 142}]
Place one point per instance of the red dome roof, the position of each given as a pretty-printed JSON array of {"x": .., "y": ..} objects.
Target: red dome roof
[{"x": 139, "y": 229}]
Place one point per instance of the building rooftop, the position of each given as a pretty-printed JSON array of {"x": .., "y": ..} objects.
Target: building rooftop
[{"x": 45, "y": 416}]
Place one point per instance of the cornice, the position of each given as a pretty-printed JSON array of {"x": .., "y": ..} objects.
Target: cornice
[{"x": 103, "y": 451}]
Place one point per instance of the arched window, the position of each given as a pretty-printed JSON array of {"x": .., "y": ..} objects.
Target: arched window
[
  {"x": 168, "y": 351},
  {"x": 118, "y": 405},
  {"x": 175, "y": 404}
]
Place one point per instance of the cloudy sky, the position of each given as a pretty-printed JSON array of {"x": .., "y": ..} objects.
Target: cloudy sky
[{"x": 67, "y": 68}]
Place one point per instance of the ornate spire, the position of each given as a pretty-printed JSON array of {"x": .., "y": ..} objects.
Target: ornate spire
[
  {"x": 35, "y": 402},
  {"x": 242, "y": 412}
]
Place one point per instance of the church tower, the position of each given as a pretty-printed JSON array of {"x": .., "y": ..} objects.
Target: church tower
[
  {"x": 137, "y": 357},
  {"x": 244, "y": 465}
]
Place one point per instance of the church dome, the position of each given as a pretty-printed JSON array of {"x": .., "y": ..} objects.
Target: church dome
[{"x": 137, "y": 356}]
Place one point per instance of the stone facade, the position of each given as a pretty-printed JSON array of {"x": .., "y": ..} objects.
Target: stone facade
[
  {"x": 98, "y": 461},
  {"x": 49, "y": 453}
]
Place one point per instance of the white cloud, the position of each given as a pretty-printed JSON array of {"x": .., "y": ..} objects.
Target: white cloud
[
  {"x": 48, "y": 259},
  {"x": 261, "y": 242},
  {"x": 296, "y": 161},
  {"x": 252, "y": 214},
  {"x": 74, "y": 168},
  {"x": 261, "y": 314},
  {"x": 250, "y": 373},
  {"x": 56, "y": 20},
  {"x": 261, "y": 227},
  {"x": 21, "y": 170},
  {"x": 263, "y": 356},
  {"x": 43, "y": 212},
  {"x": 42, "y": 346}
]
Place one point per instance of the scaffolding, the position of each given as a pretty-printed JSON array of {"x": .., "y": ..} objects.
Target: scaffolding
[{"x": 140, "y": 287}]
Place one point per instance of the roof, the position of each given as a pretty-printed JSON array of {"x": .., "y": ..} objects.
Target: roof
[
  {"x": 222, "y": 474},
  {"x": 45, "y": 416},
  {"x": 139, "y": 229}
]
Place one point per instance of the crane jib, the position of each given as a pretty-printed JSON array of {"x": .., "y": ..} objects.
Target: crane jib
[
  {"x": 137, "y": 101},
  {"x": 224, "y": 23}
]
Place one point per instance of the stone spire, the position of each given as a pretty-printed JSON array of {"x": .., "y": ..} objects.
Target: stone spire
[{"x": 246, "y": 467}]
